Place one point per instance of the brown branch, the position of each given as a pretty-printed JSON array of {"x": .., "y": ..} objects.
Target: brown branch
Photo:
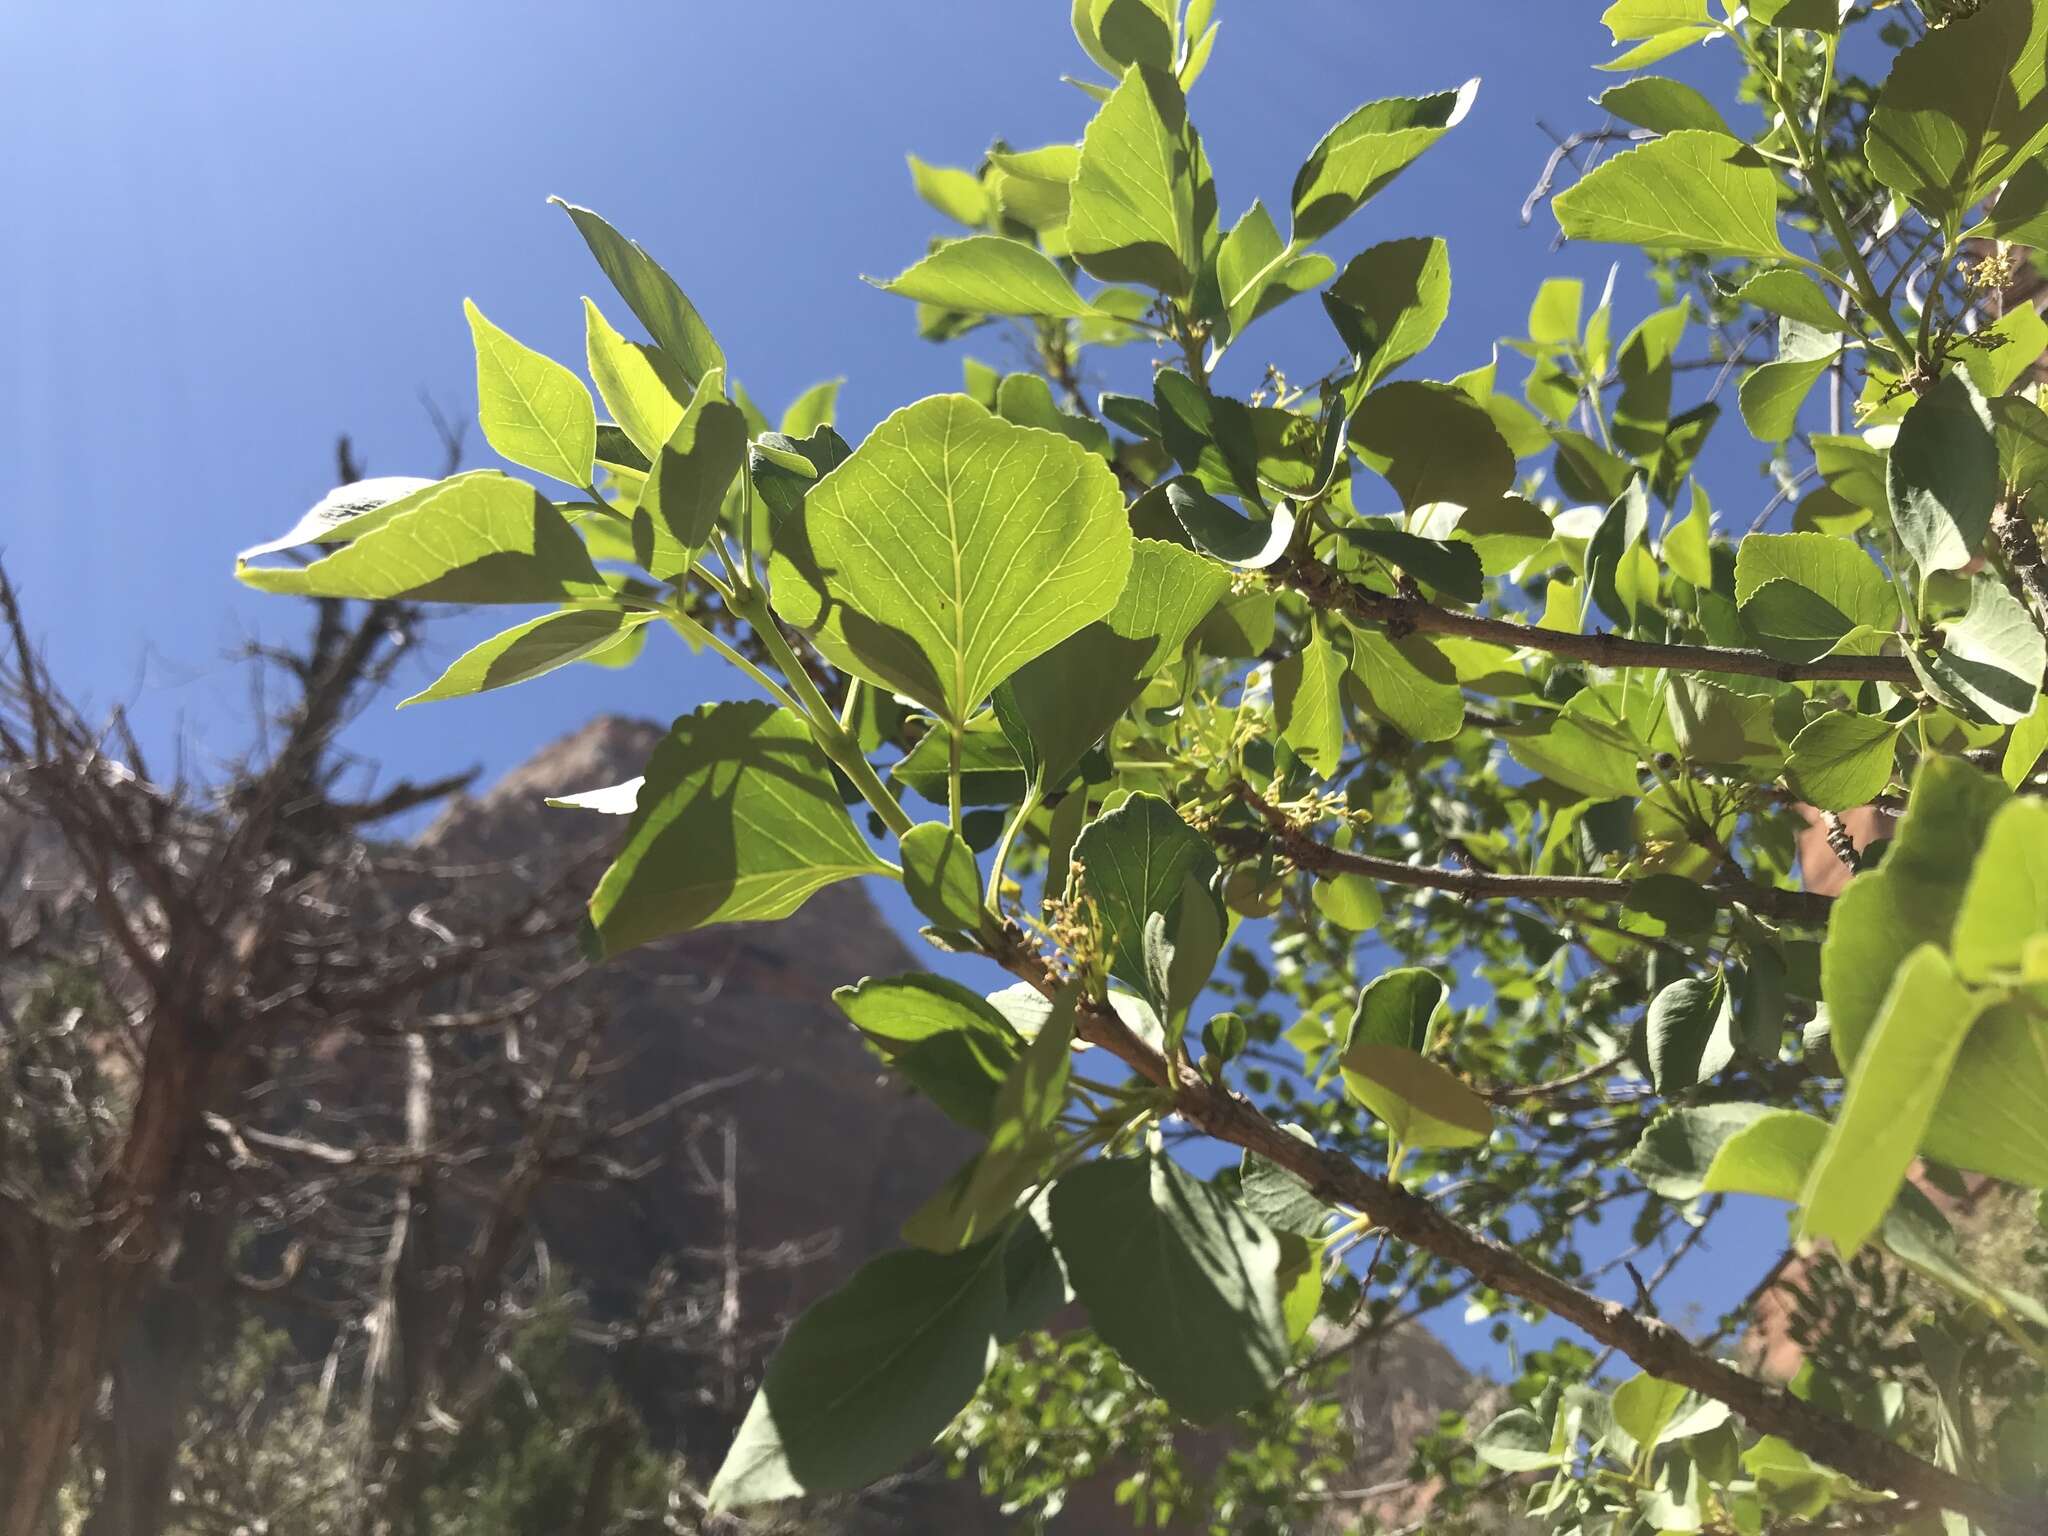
[
  {"x": 1655, "y": 1346},
  {"x": 1326, "y": 588},
  {"x": 2026, "y": 566},
  {"x": 1305, "y": 853}
]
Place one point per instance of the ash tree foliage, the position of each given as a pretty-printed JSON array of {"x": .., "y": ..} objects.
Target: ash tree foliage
[{"x": 1448, "y": 735}]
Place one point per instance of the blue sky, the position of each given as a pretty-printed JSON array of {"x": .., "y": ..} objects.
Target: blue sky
[{"x": 236, "y": 229}]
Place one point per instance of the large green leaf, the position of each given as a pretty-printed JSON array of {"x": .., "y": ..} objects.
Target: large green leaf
[
  {"x": 950, "y": 549},
  {"x": 1397, "y": 1008},
  {"x": 1143, "y": 207},
  {"x": 739, "y": 821},
  {"x": 1390, "y": 301},
  {"x": 2006, "y": 902},
  {"x": 630, "y": 379},
  {"x": 671, "y": 319},
  {"x": 1134, "y": 861},
  {"x": 1772, "y": 393},
  {"x": 352, "y": 510},
  {"x": 1662, "y": 106},
  {"x": 1256, "y": 271},
  {"x": 1420, "y": 1103},
  {"x": 1177, "y": 1279},
  {"x": 1433, "y": 443},
  {"x": 940, "y": 877},
  {"x": 1963, "y": 108},
  {"x": 1842, "y": 760},
  {"x": 1803, "y": 593},
  {"x": 1942, "y": 475},
  {"x": 686, "y": 487},
  {"x": 1409, "y": 682},
  {"x": 479, "y": 538},
  {"x": 1989, "y": 662},
  {"x": 1308, "y": 706},
  {"x": 531, "y": 650},
  {"x": 869, "y": 1376},
  {"x": 989, "y": 275},
  {"x": 1066, "y": 699},
  {"x": 944, "y": 1038},
  {"x": 1690, "y": 190},
  {"x": 534, "y": 411},
  {"x": 1910, "y": 899},
  {"x": 1898, "y": 1077},
  {"x": 1691, "y": 1032},
  {"x": 1365, "y": 151}
]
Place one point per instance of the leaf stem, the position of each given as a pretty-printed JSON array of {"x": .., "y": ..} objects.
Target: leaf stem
[{"x": 1002, "y": 857}]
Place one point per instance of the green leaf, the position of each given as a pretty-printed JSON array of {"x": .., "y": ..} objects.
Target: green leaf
[
  {"x": 812, "y": 409},
  {"x": 990, "y": 773},
  {"x": 1143, "y": 208},
  {"x": 950, "y": 549},
  {"x": 1517, "y": 1441},
  {"x": 1134, "y": 861},
  {"x": 1308, "y": 707},
  {"x": 478, "y": 538},
  {"x": 1802, "y": 593},
  {"x": 1410, "y": 682},
  {"x": 1910, "y": 899},
  {"x": 1277, "y": 1197},
  {"x": 1627, "y": 20},
  {"x": 1772, "y": 394},
  {"x": 530, "y": 650},
  {"x": 1253, "y": 543},
  {"x": 652, "y": 295},
  {"x": 1680, "y": 1145},
  {"x": 1643, "y": 1405},
  {"x": 1688, "y": 547},
  {"x": 1619, "y": 535},
  {"x": 739, "y": 821},
  {"x": 1689, "y": 191},
  {"x": 1349, "y": 901},
  {"x": 1368, "y": 149},
  {"x": 1963, "y": 108},
  {"x": 534, "y": 411},
  {"x": 680, "y": 502},
  {"x": 1256, "y": 273},
  {"x": 1068, "y": 698},
  {"x": 1898, "y": 1078},
  {"x": 940, "y": 878},
  {"x": 2024, "y": 747},
  {"x": 1653, "y": 49},
  {"x": 956, "y": 193},
  {"x": 352, "y": 510},
  {"x": 1989, "y": 662},
  {"x": 1026, "y": 399},
  {"x": 1771, "y": 1156},
  {"x": 1390, "y": 301},
  {"x": 1432, "y": 443},
  {"x": 1420, "y": 1103},
  {"x": 1842, "y": 760},
  {"x": 630, "y": 378},
  {"x": 899, "y": 1012},
  {"x": 869, "y": 1376},
  {"x": 1177, "y": 1279},
  {"x": 2005, "y": 905},
  {"x": 1942, "y": 475},
  {"x": 1397, "y": 1008},
  {"x": 1454, "y": 569},
  {"x": 1031, "y": 187},
  {"x": 1554, "y": 314},
  {"x": 1792, "y": 296},
  {"x": 1020, "y": 1141},
  {"x": 1691, "y": 1031},
  {"x": 1662, "y": 106},
  {"x": 989, "y": 275}
]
